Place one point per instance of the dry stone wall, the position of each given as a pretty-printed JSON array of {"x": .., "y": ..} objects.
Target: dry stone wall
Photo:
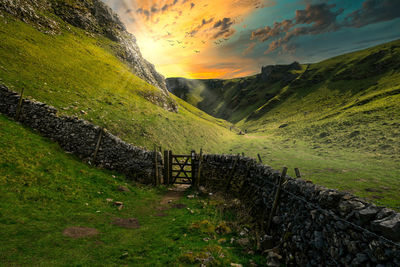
[
  {"x": 80, "y": 137},
  {"x": 315, "y": 226}
]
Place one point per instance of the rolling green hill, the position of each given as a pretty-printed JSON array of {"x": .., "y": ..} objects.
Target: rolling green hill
[
  {"x": 347, "y": 101},
  {"x": 350, "y": 101},
  {"x": 78, "y": 72}
]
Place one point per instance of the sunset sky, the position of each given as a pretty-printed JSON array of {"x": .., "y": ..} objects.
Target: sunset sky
[{"x": 226, "y": 39}]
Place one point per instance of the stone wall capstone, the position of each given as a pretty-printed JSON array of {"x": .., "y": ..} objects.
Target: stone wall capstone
[
  {"x": 314, "y": 225},
  {"x": 80, "y": 138}
]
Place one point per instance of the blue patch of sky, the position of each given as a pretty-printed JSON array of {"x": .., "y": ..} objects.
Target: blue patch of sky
[{"x": 314, "y": 48}]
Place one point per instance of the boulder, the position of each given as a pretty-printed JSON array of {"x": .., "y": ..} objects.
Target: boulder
[{"x": 388, "y": 227}]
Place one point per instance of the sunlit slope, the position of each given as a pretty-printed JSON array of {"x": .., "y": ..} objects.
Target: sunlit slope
[
  {"x": 79, "y": 75},
  {"x": 351, "y": 101}
]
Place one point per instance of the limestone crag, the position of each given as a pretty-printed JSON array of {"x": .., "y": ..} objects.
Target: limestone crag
[
  {"x": 283, "y": 73},
  {"x": 94, "y": 17}
]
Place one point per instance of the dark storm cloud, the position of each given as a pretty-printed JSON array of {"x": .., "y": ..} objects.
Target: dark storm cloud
[
  {"x": 374, "y": 11},
  {"x": 223, "y": 28},
  {"x": 268, "y": 32},
  {"x": 322, "y": 17},
  {"x": 319, "y": 18}
]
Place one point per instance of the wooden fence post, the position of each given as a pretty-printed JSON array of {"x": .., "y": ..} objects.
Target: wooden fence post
[
  {"x": 170, "y": 167},
  {"x": 193, "y": 160},
  {"x": 156, "y": 166},
  {"x": 19, "y": 106},
  {"x": 297, "y": 171},
  {"x": 276, "y": 200},
  {"x": 199, "y": 170},
  {"x": 96, "y": 150},
  {"x": 259, "y": 158},
  {"x": 232, "y": 173},
  {"x": 166, "y": 167}
]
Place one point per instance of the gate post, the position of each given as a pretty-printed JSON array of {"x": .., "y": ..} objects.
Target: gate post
[
  {"x": 156, "y": 178},
  {"x": 166, "y": 167},
  {"x": 193, "y": 159},
  {"x": 170, "y": 167},
  {"x": 199, "y": 169}
]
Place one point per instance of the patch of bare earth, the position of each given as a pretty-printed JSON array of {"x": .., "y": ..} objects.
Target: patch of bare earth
[
  {"x": 80, "y": 232},
  {"x": 171, "y": 196},
  {"x": 169, "y": 199},
  {"x": 130, "y": 223},
  {"x": 179, "y": 206}
]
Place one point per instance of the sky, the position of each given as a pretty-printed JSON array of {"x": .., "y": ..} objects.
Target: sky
[{"x": 203, "y": 39}]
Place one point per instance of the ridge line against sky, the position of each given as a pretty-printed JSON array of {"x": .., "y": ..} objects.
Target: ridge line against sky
[{"x": 226, "y": 39}]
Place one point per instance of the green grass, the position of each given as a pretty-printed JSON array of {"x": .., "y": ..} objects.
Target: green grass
[
  {"x": 43, "y": 191},
  {"x": 79, "y": 74}
]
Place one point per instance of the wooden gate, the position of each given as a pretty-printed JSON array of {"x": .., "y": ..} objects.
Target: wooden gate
[{"x": 180, "y": 168}]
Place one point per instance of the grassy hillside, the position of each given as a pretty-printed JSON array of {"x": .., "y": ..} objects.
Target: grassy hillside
[
  {"x": 43, "y": 191},
  {"x": 338, "y": 121},
  {"x": 79, "y": 75},
  {"x": 350, "y": 101}
]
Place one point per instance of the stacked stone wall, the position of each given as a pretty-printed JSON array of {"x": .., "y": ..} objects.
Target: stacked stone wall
[
  {"x": 314, "y": 225},
  {"x": 80, "y": 137}
]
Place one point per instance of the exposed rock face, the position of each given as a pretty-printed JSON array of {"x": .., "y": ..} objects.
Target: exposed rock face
[
  {"x": 96, "y": 18},
  {"x": 273, "y": 73}
]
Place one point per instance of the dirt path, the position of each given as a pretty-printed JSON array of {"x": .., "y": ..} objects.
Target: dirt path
[{"x": 169, "y": 200}]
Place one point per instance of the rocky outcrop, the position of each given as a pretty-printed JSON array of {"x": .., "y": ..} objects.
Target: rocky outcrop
[
  {"x": 283, "y": 73},
  {"x": 94, "y": 17}
]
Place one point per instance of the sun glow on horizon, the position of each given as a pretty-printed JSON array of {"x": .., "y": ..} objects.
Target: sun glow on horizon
[{"x": 188, "y": 38}]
